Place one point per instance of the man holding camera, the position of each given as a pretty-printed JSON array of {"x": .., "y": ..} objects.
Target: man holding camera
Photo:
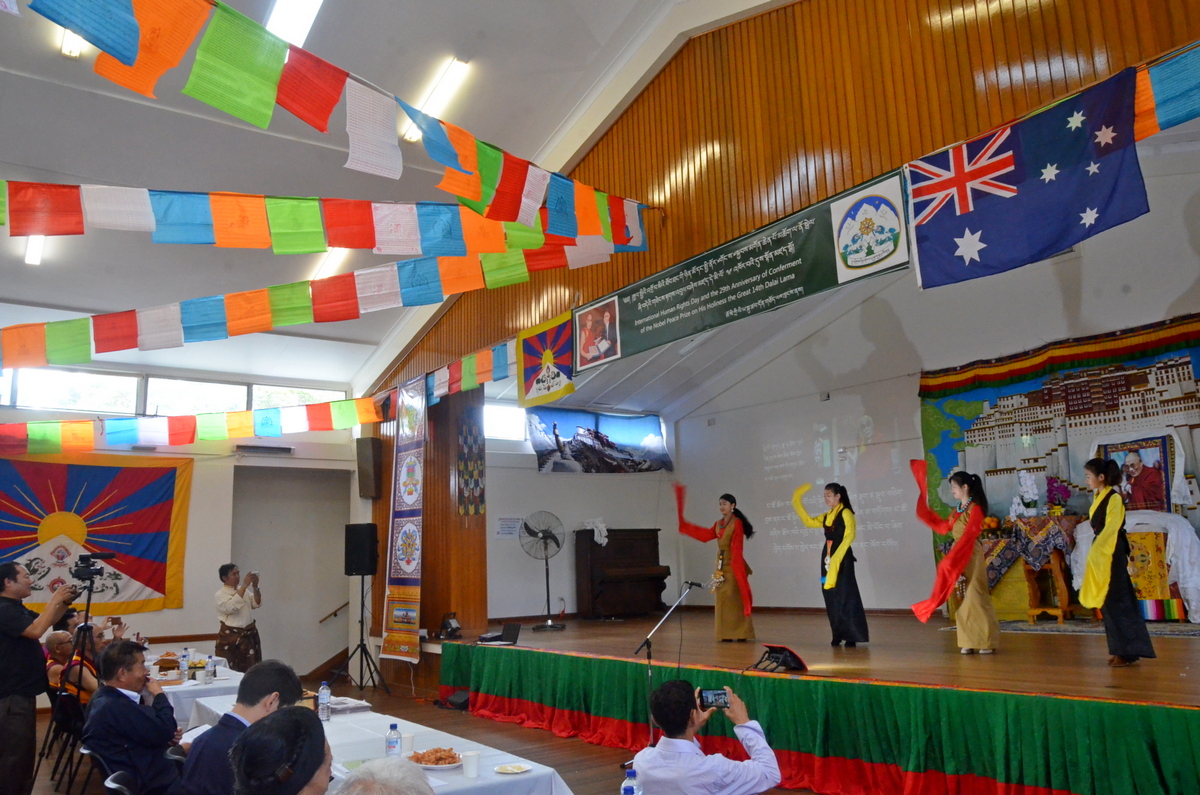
[
  {"x": 677, "y": 765},
  {"x": 22, "y": 673},
  {"x": 238, "y": 641}
]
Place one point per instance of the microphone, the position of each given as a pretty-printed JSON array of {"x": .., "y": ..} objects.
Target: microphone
[{"x": 694, "y": 584}]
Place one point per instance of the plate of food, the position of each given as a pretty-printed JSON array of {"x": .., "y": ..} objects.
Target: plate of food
[
  {"x": 437, "y": 759},
  {"x": 513, "y": 769}
]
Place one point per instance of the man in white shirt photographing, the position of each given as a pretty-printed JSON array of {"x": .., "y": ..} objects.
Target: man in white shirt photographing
[
  {"x": 677, "y": 765},
  {"x": 238, "y": 641}
]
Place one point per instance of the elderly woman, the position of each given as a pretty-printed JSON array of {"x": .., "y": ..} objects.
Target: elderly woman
[
  {"x": 387, "y": 776},
  {"x": 285, "y": 753}
]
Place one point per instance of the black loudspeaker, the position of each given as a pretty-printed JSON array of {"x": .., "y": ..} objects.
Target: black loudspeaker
[
  {"x": 362, "y": 549},
  {"x": 370, "y": 466},
  {"x": 459, "y": 699}
]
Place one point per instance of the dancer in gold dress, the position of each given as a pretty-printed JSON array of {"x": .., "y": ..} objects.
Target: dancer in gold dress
[{"x": 731, "y": 578}]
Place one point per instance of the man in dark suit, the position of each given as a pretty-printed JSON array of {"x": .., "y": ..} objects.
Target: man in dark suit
[
  {"x": 268, "y": 686},
  {"x": 129, "y": 735}
]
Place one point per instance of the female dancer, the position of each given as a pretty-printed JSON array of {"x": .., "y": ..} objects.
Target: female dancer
[
  {"x": 1106, "y": 580},
  {"x": 731, "y": 580},
  {"x": 838, "y": 584},
  {"x": 978, "y": 629}
]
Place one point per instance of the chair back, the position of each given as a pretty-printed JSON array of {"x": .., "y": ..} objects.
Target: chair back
[
  {"x": 68, "y": 714},
  {"x": 123, "y": 783}
]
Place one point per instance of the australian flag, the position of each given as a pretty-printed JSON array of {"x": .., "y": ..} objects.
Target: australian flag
[{"x": 1030, "y": 190}]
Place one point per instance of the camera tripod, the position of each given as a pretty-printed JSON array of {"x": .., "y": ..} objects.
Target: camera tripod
[{"x": 366, "y": 663}]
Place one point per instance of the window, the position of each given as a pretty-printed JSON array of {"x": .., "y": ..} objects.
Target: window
[
  {"x": 5, "y": 387},
  {"x": 77, "y": 391},
  {"x": 170, "y": 397},
  {"x": 272, "y": 397},
  {"x": 503, "y": 422}
]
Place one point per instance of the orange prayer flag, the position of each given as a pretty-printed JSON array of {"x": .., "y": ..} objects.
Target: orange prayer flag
[
  {"x": 240, "y": 424},
  {"x": 1145, "y": 119},
  {"x": 248, "y": 312},
  {"x": 483, "y": 366},
  {"x": 586, "y": 210},
  {"x": 25, "y": 345},
  {"x": 168, "y": 29},
  {"x": 368, "y": 410},
  {"x": 239, "y": 220},
  {"x": 468, "y": 186},
  {"x": 460, "y": 274},
  {"x": 78, "y": 436},
  {"x": 482, "y": 235}
]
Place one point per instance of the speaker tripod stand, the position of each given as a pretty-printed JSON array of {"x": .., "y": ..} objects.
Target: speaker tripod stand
[{"x": 366, "y": 663}]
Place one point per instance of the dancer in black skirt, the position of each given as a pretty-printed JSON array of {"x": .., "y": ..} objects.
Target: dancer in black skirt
[{"x": 843, "y": 603}]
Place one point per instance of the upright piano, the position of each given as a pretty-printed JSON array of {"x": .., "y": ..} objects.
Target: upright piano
[{"x": 621, "y": 578}]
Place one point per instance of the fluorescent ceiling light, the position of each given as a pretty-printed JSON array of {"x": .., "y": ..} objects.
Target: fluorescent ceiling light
[
  {"x": 33, "y": 249},
  {"x": 435, "y": 102},
  {"x": 291, "y": 20},
  {"x": 332, "y": 261},
  {"x": 72, "y": 44}
]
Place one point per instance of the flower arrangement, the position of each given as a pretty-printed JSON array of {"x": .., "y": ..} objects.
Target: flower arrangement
[
  {"x": 1025, "y": 503},
  {"x": 1057, "y": 492}
]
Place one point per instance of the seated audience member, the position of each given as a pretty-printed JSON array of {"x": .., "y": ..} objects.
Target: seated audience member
[
  {"x": 285, "y": 753},
  {"x": 58, "y": 654},
  {"x": 68, "y": 622},
  {"x": 127, "y": 734},
  {"x": 387, "y": 776},
  {"x": 677, "y": 765},
  {"x": 78, "y": 677},
  {"x": 268, "y": 686}
]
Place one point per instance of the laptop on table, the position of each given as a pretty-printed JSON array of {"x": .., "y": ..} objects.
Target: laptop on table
[{"x": 507, "y": 637}]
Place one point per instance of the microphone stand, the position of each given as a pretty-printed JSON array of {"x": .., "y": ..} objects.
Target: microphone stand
[{"x": 646, "y": 644}]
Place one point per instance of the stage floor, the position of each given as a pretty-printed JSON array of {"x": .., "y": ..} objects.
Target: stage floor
[{"x": 903, "y": 649}]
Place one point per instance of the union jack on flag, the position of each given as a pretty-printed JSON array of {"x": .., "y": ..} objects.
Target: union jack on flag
[{"x": 964, "y": 175}]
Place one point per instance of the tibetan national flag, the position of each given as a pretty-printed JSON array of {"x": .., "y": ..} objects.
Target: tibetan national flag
[
  {"x": 310, "y": 88},
  {"x": 544, "y": 355},
  {"x": 1028, "y": 191},
  {"x": 176, "y": 23},
  {"x": 108, "y": 24},
  {"x": 36, "y": 208}
]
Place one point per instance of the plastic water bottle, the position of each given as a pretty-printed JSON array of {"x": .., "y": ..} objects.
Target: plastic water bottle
[
  {"x": 630, "y": 785},
  {"x": 184, "y": 660},
  {"x": 210, "y": 670},
  {"x": 323, "y": 696},
  {"x": 392, "y": 742}
]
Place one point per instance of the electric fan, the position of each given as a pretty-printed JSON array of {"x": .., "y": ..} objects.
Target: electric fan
[{"x": 542, "y": 539}]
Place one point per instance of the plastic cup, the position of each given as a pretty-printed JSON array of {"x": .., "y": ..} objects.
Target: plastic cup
[
  {"x": 407, "y": 744},
  {"x": 470, "y": 760},
  {"x": 153, "y": 671}
]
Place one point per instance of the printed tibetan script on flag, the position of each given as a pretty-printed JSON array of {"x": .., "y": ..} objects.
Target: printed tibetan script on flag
[{"x": 1030, "y": 190}]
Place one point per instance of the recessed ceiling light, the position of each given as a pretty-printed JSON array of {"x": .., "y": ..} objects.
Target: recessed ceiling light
[
  {"x": 33, "y": 249},
  {"x": 332, "y": 261},
  {"x": 291, "y": 20},
  {"x": 72, "y": 44},
  {"x": 444, "y": 89}
]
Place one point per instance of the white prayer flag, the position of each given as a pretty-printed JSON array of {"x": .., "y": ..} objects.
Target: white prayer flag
[
  {"x": 107, "y": 207},
  {"x": 154, "y": 430},
  {"x": 377, "y": 288},
  {"x": 396, "y": 229},
  {"x": 533, "y": 195},
  {"x": 293, "y": 419},
  {"x": 588, "y": 250},
  {"x": 441, "y": 382},
  {"x": 11, "y": 7},
  {"x": 512, "y": 357},
  {"x": 159, "y": 327},
  {"x": 633, "y": 222},
  {"x": 371, "y": 124}
]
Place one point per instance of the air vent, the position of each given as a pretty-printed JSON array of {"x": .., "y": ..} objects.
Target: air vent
[{"x": 262, "y": 449}]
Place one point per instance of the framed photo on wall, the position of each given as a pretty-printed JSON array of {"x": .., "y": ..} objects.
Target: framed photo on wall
[
  {"x": 1146, "y": 474},
  {"x": 597, "y": 334}
]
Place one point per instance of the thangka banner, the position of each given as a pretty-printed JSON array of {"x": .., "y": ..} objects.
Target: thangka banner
[
  {"x": 583, "y": 441},
  {"x": 544, "y": 355},
  {"x": 856, "y": 234},
  {"x": 402, "y": 610},
  {"x": 54, "y": 508}
]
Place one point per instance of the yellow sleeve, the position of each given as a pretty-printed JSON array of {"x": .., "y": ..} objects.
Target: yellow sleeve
[
  {"x": 1098, "y": 571},
  {"x": 798, "y": 506},
  {"x": 835, "y": 560}
]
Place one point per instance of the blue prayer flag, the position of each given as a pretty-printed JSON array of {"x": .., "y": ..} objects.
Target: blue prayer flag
[
  {"x": 560, "y": 206},
  {"x": 500, "y": 362},
  {"x": 181, "y": 217},
  {"x": 441, "y": 230},
  {"x": 121, "y": 431},
  {"x": 203, "y": 319},
  {"x": 107, "y": 24},
  {"x": 430, "y": 398},
  {"x": 433, "y": 135},
  {"x": 420, "y": 282},
  {"x": 1176, "y": 84},
  {"x": 268, "y": 422},
  {"x": 1028, "y": 191}
]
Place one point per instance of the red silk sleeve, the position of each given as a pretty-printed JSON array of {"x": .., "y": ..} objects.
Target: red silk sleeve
[
  {"x": 926, "y": 514},
  {"x": 952, "y": 566},
  {"x": 687, "y": 528},
  {"x": 739, "y": 567}
]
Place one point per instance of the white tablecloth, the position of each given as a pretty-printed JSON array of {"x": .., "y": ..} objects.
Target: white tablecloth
[
  {"x": 361, "y": 736},
  {"x": 183, "y": 697}
]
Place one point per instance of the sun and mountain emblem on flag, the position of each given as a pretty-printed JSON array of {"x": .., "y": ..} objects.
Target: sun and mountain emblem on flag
[
  {"x": 869, "y": 232},
  {"x": 546, "y": 357}
]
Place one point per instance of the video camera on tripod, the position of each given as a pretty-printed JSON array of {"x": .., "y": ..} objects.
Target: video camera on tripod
[{"x": 85, "y": 570}]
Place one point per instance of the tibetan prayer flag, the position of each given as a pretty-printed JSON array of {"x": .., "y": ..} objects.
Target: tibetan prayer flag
[
  {"x": 181, "y": 430},
  {"x": 239, "y": 424},
  {"x": 268, "y": 422},
  {"x": 460, "y": 274},
  {"x": 490, "y": 161},
  {"x": 249, "y": 312},
  {"x": 171, "y": 26},
  {"x": 291, "y": 304},
  {"x": 548, "y": 257},
  {"x": 117, "y": 331},
  {"x": 344, "y": 414},
  {"x": 397, "y": 230},
  {"x": 371, "y": 125},
  {"x": 239, "y": 220},
  {"x": 481, "y": 235},
  {"x": 126, "y": 209},
  {"x": 483, "y": 365},
  {"x": 349, "y": 223},
  {"x": 1145, "y": 114},
  {"x": 45, "y": 438},
  {"x": 377, "y": 288},
  {"x": 506, "y": 204},
  {"x": 469, "y": 380},
  {"x": 211, "y": 427},
  {"x": 466, "y": 184},
  {"x": 3, "y": 202},
  {"x": 1176, "y": 87},
  {"x": 159, "y": 327},
  {"x": 310, "y": 88},
  {"x": 533, "y": 195},
  {"x": 605, "y": 218},
  {"x": 368, "y": 410},
  {"x": 107, "y": 24},
  {"x": 154, "y": 431},
  {"x": 334, "y": 299},
  {"x": 433, "y": 136},
  {"x": 23, "y": 345},
  {"x": 519, "y": 237},
  {"x": 296, "y": 226},
  {"x": 237, "y": 68},
  {"x": 10, "y": 7},
  {"x": 635, "y": 223},
  {"x": 616, "y": 212},
  {"x": 293, "y": 419},
  {"x": 455, "y": 384},
  {"x": 69, "y": 341},
  {"x": 441, "y": 382},
  {"x": 431, "y": 398},
  {"x": 588, "y": 250},
  {"x": 420, "y": 282},
  {"x": 78, "y": 436},
  {"x": 181, "y": 217},
  {"x": 501, "y": 270},
  {"x": 320, "y": 418},
  {"x": 500, "y": 362},
  {"x": 14, "y": 438},
  {"x": 553, "y": 240},
  {"x": 122, "y": 430},
  {"x": 441, "y": 230},
  {"x": 560, "y": 202},
  {"x": 586, "y": 213},
  {"x": 36, "y": 208},
  {"x": 544, "y": 355}
]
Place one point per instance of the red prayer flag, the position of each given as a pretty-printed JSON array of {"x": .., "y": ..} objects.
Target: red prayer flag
[
  {"x": 320, "y": 417},
  {"x": 506, "y": 204},
  {"x": 335, "y": 298},
  {"x": 36, "y": 208},
  {"x": 616, "y": 212},
  {"x": 455, "y": 377},
  {"x": 349, "y": 223},
  {"x": 310, "y": 88},
  {"x": 181, "y": 430},
  {"x": 546, "y": 258},
  {"x": 14, "y": 438},
  {"x": 115, "y": 332}
]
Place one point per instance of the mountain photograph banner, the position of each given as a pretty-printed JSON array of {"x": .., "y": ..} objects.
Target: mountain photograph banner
[{"x": 572, "y": 441}]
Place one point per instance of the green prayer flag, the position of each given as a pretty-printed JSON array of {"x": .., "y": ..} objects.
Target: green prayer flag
[
  {"x": 344, "y": 414},
  {"x": 291, "y": 304},
  {"x": 69, "y": 341},
  {"x": 518, "y": 237},
  {"x": 501, "y": 270},
  {"x": 490, "y": 164},
  {"x": 470, "y": 378},
  {"x": 45, "y": 437},
  {"x": 237, "y": 68},
  {"x": 211, "y": 427},
  {"x": 605, "y": 218},
  {"x": 3, "y": 202},
  {"x": 296, "y": 226}
]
